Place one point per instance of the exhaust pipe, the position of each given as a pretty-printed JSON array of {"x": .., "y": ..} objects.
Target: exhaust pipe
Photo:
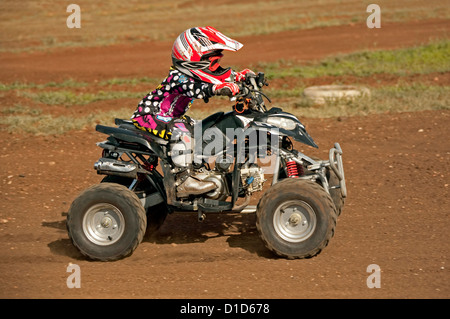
[{"x": 108, "y": 166}]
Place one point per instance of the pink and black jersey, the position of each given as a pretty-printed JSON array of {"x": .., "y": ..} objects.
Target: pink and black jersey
[{"x": 171, "y": 99}]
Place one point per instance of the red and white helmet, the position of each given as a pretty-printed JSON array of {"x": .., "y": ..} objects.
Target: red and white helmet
[{"x": 197, "y": 52}]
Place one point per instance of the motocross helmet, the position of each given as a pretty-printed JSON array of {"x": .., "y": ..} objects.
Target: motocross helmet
[{"x": 197, "y": 52}]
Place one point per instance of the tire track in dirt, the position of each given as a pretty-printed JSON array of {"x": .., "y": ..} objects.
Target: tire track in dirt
[{"x": 396, "y": 167}]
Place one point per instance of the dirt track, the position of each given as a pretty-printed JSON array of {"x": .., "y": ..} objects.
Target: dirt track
[{"x": 396, "y": 216}]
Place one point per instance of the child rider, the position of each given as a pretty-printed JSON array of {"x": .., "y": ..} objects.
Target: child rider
[{"x": 195, "y": 74}]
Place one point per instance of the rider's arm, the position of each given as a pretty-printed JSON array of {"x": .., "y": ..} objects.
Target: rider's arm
[{"x": 195, "y": 89}]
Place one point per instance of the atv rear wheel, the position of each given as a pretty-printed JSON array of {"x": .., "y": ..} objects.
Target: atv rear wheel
[
  {"x": 296, "y": 218},
  {"x": 156, "y": 215},
  {"x": 106, "y": 222}
]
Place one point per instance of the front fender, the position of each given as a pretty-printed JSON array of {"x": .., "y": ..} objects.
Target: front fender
[{"x": 299, "y": 134}]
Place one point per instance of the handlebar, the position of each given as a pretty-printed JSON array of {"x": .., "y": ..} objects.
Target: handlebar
[
  {"x": 253, "y": 83},
  {"x": 250, "y": 90}
]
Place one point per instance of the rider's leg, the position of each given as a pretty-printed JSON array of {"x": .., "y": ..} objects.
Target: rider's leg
[
  {"x": 179, "y": 132},
  {"x": 182, "y": 153}
]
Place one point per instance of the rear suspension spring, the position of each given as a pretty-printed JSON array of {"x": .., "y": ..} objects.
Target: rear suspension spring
[{"x": 292, "y": 171}]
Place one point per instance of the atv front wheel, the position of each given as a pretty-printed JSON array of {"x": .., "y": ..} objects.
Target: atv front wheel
[
  {"x": 336, "y": 193},
  {"x": 106, "y": 222},
  {"x": 296, "y": 218}
]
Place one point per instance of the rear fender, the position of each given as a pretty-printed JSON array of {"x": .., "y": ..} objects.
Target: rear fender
[{"x": 120, "y": 134}]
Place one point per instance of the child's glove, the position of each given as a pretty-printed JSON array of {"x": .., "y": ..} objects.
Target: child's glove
[
  {"x": 228, "y": 89},
  {"x": 240, "y": 76}
]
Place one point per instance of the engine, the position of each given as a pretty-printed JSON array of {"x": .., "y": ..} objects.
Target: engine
[
  {"x": 252, "y": 179},
  {"x": 218, "y": 178}
]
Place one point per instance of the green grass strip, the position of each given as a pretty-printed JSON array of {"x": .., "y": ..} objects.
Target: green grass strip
[
  {"x": 434, "y": 57},
  {"x": 46, "y": 124},
  {"x": 71, "y": 83},
  {"x": 69, "y": 98}
]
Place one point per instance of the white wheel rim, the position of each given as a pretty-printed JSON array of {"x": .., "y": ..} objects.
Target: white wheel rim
[
  {"x": 103, "y": 224},
  {"x": 294, "y": 221}
]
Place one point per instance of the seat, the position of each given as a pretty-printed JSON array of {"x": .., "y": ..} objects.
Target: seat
[{"x": 128, "y": 125}]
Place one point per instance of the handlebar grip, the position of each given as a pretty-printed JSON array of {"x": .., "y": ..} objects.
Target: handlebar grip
[{"x": 243, "y": 91}]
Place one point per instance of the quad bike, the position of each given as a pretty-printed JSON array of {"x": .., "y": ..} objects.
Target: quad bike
[{"x": 296, "y": 216}]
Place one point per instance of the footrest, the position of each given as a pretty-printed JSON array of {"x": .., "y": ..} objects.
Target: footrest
[{"x": 211, "y": 206}]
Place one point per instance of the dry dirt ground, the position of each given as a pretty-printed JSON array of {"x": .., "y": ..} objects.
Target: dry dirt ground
[{"x": 396, "y": 215}]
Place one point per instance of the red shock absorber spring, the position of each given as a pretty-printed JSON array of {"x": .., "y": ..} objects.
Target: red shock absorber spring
[{"x": 292, "y": 170}]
